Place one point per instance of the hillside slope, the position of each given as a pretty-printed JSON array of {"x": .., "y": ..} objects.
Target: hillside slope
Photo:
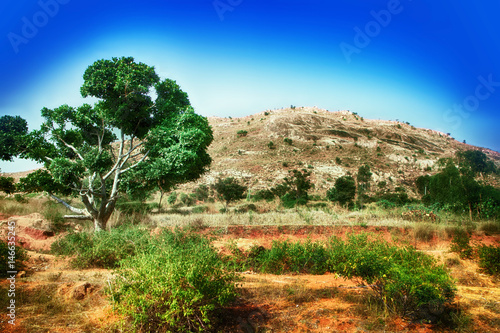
[{"x": 397, "y": 153}]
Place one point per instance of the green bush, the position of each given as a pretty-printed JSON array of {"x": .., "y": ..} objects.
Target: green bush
[
  {"x": 172, "y": 198},
  {"x": 241, "y": 133},
  {"x": 489, "y": 259},
  {"x": 460, "y": 244},
  {"x": 102, "y": 249},
  {"x": 406, "y": 281},
  {"x": 175, "y": 285},
  {"x": 264, "y": 194},
  {"x": 286, "y": 257},
  {"x": 11, "y": 254},
  {"x": 288, "y": 141},
  {"x": 199, "y": 209}
]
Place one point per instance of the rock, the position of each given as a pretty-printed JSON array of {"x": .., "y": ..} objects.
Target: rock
[{"x": 81, "y": 290}]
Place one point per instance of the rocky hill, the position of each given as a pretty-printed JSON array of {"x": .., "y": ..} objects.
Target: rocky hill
[{"x": 329, "y": 144}]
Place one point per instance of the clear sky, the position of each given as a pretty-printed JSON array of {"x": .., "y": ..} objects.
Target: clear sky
[{"x": 435, "y": 64}]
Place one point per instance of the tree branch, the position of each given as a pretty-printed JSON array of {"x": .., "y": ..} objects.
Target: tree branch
[
  {"x": 133, "y": 166},
  {"x": 77, "y": 217},
  {"x": 70, "y": 147},
  {"x": 71, "y": 208}
]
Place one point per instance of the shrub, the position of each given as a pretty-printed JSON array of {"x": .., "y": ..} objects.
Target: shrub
[
  {"x": 406, "y": 281},
  {"x": 199, "y": 209},
  {"x": 460, "y": 244},
  {"x": 167, "y": 288},
  {"x": 102, "y": 249},
  {"x": 7, "y": 185},
  {"x": 285, "y": 257},
  {"x": 241, "y": 133},
  {"x": 271, "y": 145},
  {"x": 264, "y": 194},
  {"x": 489, "y": 259},
  {"x": 20, "y": 198},
  {"x": 185, "y": 199},
  {"x": 288, "y": 141},
  {"x": 172, "y": 198}
]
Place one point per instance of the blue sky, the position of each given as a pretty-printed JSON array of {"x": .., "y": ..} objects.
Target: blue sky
[{"x": 435, "y": 65}]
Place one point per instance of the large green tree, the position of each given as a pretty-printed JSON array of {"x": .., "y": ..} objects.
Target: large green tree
[{"x": 126, "y": 142}]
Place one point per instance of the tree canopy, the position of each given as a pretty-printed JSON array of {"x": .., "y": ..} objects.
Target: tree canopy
[
  {"x": 127, "y": 142},
  {"x": 229, "y": 189},
  {"x": 12, "y": 130}
]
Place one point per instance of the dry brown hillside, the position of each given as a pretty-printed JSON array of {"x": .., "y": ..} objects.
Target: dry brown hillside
[{"x": 397, "y": 152}]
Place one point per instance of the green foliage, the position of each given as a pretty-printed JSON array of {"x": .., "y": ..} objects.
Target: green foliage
[
  {"x": 489, "y": 259},
  {"x": 338, "y": 160},
  {"x": 167, "y": 288},
  {"x": 102, "y": 249},
  {"x": 286, "y": 257},
  {"x": 344, "y": 190},
  {"x": 229, "y": 189},
  {"x": 382, "y": 184},
  {"x": 364, "y": 175},
  {"x": 288, "y": 141},
  {"x": 422, "y": 184},
  {"x": 461, "y": 244},
  {"x": 298, "y": 185},
  {"x": 264, "y": 194},
  {"x": 41, "y": 180},
  {"x": 11, "y": 253},
  {"x": 201, "y": 193},
  {"x": 241, "y": 133},
  {"x": 12, "y": 132},
  {"x": 134, "y": 207},
  {"x": 186, "y": 199},
  {"x": 271, "y": 145},
  {"x": 7, "y": 185},
  {"x": 172, "y": 198},
  {"x": 476, "y": 161},
  {"x": 407, "y": 281}
]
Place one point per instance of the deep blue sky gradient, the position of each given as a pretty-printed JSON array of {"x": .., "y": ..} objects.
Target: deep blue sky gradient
[{"x": 426, "y": 64}]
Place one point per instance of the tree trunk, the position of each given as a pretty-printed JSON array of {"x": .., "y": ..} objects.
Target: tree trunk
[
  {"x": 99, "y": 224},
  {"x": 159, "y": 203}
]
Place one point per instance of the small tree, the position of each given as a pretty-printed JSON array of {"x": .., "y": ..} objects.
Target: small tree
[
  {"x": 126, "y": 142},
  {"x": 344, "y": 190},
  {"x": 229, "y": 190},
  {"x": 7, "y": 185},
  {"x": 12, "y": 129},
  {"x": 364, "y": 176}
]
